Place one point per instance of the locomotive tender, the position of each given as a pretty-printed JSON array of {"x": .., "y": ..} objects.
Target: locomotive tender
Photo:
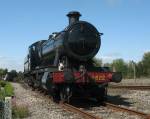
[{"x": 63, "y": 65}]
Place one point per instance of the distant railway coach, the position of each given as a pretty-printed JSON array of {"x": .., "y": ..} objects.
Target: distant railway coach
[{"x": 63, "y": 65}]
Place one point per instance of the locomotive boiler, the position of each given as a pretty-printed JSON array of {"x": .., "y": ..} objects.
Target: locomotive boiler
[{"x": 63, "y": 65}]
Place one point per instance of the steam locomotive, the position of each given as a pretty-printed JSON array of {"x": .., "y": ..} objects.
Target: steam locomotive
[{"x": 63, "y": 65}]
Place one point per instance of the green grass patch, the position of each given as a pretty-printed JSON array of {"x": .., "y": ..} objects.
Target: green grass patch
[
  {"x": 9, "y": 90},
  {"x": 20, "y": 111},
  {"x": 2, "y": 83},
  {"x": 6, "y": 90}
]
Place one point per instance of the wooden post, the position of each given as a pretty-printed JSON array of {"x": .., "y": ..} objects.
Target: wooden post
[{"x": 134, "y": 70}]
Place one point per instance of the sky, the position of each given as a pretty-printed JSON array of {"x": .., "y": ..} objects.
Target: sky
[{"x": 125, "y": 24}]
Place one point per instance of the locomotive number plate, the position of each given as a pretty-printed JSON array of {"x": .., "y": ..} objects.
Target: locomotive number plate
[{"x": 100, "y": 76}]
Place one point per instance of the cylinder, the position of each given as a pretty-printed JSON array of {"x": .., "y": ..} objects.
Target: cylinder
[{"x": 73, "y": 17}]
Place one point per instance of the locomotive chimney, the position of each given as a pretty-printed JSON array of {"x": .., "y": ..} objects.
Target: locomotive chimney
[{"x": 73, "y": 17}]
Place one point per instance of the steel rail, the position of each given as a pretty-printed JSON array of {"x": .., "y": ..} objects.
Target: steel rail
[
  {"x": 131, "y": 87},
  {"x": 84, "y": 114},
  {"x": 87, "y": 115},
  {"x": 71, "y": 108},
  {"x": 123, "y": 109}
]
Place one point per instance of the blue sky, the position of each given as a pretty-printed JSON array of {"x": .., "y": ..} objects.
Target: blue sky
[{"x": 125, "y": 24}]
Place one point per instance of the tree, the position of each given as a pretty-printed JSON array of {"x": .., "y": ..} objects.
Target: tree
[
  {"x": 3, "y": 72},
  {"x": 11, "y": 75},
  {"x": 107, "y": 65},
  {"x": 120, "y": 66},
  {"x": 19, "y": 76},
  {"x": 146, "y": 64},
  {"x": 140, "y": 68},
  {"x": 130, "y": 70},
  {"x": 97, "y": 62}
]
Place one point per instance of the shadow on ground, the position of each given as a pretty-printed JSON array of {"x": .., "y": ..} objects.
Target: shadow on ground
[
  {"x": 118, "y": 100},
  {"x": 90, "y": 103}
]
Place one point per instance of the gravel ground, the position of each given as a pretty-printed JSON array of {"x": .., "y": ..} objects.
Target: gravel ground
[
  {"x": 102, "y": 111},
  {"x": 39, "y": 106},
  {"x": 106, "y": 113},
  {"x": 133, "y": 99}
]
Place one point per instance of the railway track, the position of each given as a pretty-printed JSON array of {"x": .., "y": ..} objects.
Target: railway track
[
  {"x": 69, "y": 107},
  {"x": 114, "y": 107},
  {"x": 123, "y": 109},
  {"x": 74, "y": 109},
  {"x": 131, "y": 87},
  {"x": 89, "y": 115}
]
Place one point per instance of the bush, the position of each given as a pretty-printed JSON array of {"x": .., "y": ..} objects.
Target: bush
[
  {"x": 9, "y": 90},
  {"x": 20, "y": 111},
  {"x": 2, "y": 95},
  {"x": 6, "y": 89},
  {"x": 2, "y": 83}
]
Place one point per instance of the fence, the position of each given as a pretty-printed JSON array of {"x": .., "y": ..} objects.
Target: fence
[{"x": 5, "y": 108}]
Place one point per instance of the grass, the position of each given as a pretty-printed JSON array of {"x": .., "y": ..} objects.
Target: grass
[
  {"x": 6, "y": 90},
  {"x": 9, "y": 90},
  {"x": 2, "y": 83},
  {"x": 20, "y": 111}
]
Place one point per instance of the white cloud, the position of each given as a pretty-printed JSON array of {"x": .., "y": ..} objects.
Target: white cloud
[
  {"x": 11, "y": 63},
  {"x": 108, "y": 58}
]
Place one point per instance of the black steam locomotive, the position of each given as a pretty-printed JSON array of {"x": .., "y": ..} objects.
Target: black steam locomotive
[{"x": 63, "y": 65}]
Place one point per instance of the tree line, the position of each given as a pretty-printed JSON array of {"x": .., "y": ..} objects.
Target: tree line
[
  {"x": 12, "y": 75},
  {"x": 129, "y": 69}
]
